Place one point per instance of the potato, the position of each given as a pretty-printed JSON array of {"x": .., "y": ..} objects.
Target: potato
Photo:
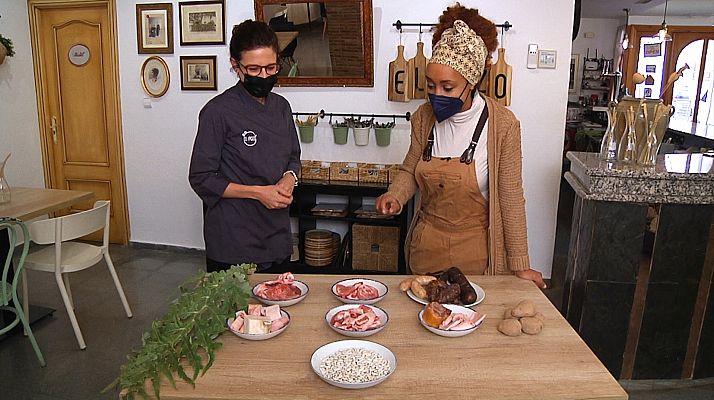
[
  {"x": 405, "y": 284},
  {"x": 507, "y": 314},
  {"x": 424, "y": 279},
  {"x": 418, "y": 289},
  {"x": 540, "y": 316},
  {"x": 525, "y": 308},
  {"x": 510, "y": 327},
  {"x": 531, "y": 325}
]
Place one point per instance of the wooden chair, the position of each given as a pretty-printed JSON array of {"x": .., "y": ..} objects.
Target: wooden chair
[
  {"x": 67, "y": 256},
  {"x": 8, "y": 290}
]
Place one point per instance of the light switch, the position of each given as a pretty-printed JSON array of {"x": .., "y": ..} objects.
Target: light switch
[{"x": 147, "y": 102}]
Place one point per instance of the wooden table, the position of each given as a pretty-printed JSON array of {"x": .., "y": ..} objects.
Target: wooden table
[
  {"x": 284, "y": 38},
  {"x": 555, "y": 364},
  {"x": 28, "y": 203}
]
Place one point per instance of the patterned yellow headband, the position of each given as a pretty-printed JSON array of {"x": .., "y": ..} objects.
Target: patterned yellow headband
[{"x": 463, "y": 50}]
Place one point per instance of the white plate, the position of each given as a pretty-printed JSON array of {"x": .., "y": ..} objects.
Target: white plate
[
  {"x": 331, "y": 348},
  {"x": 382, "y": 290},
  {"x": 383, "y": 317},
  {"x": 252, "y": 336},
  {"x": 457, "y": 309},
  {"x": 304, "y": 289},
  {"x": 480, "y": 295}
]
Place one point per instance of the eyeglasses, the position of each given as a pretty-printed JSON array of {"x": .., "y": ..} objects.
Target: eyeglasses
[{"x": 255, "y": 70}]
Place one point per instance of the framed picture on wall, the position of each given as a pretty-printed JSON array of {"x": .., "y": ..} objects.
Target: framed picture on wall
[
  {"x": 154, "y": 28},
  {"x": 547, "y": 59},
  {"x": 574, "y": 81},
  {"x": 202, "y": 22},
  {"x": 155, "y": 76},
  {"x": 198, "y": 73},
  {"x": 653, "y": 49}
]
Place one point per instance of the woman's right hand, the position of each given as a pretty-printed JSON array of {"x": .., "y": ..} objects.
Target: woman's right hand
[
  {"x": 388, "y": 204},
  {"x": 274, "y": 197}
]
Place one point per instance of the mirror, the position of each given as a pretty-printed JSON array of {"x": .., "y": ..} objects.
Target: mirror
[{"x": 326, "y": 43}]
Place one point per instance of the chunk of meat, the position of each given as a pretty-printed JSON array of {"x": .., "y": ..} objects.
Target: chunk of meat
[
  {"x": 270, "y": 313},
  {"x": 357, "y": 291},
  {"x": 281, "y": 288},
  {"x": 360, "y": 318}
]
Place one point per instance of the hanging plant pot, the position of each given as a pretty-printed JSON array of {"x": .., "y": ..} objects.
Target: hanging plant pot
[
  {"x": 307, "y": 133},
  {"x": 383, "y": 136},
  {"x": 3, "y": 53},
  {"x": 339, "y": 134},
  {"x": 361, "y": 136}
]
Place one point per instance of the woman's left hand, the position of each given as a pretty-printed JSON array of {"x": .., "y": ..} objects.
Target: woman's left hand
[
  {"x": 287, "y": 184},
  {"x": 532, "y": 275}
]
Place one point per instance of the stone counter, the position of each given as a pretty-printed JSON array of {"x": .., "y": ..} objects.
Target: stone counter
[
  {"x": 640, "y": 265},
  {"x": 676, "y": 179}
]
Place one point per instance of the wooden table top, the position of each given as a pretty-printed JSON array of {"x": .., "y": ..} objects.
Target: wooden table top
[
  {"x": 556, "y": 364},
  {"x": 284, "y": 38},
  {"x": 28, "y": 203}
]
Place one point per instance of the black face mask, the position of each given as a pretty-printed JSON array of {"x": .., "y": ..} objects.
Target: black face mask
[{"x": 259, "y": 87}]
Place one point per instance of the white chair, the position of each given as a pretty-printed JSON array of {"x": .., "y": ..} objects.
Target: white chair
[{"x": 66, "y": 257}]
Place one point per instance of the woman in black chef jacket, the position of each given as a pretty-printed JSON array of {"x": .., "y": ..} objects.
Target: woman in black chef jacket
[{"x": 246, "y": 158}]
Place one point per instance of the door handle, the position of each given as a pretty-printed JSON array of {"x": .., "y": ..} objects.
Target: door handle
[{"x": 53, "y": 126}]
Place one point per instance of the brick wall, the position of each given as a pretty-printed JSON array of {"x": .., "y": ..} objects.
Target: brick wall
[{"x": 344, "y": 30}]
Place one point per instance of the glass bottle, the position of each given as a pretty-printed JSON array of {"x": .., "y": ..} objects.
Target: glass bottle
[
  {"x": 4, "y": 187},
  {"x": 608, "y": 146},
  {"x": 628, "y": 144}
]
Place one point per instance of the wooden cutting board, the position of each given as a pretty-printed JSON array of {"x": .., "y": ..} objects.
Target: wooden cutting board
[
  {"x": 500, "y": 79},
  {"x": 398, "y": 78},
  {"x": 416, "y": 87}
]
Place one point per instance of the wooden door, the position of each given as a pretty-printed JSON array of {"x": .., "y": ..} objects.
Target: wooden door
[{"x": 76, "y": 70}]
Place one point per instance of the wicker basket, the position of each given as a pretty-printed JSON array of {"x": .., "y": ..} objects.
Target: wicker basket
[
  {"x": 375, "y": 248},
  {"x": 315, "y": 170},
  {"x": 393, "y": 171},
  {"x": 341, "y": 171},
  {"x": 373, "y": 173}
]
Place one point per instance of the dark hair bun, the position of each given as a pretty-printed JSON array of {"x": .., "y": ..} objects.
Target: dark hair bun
[{"x": 250, "y": 35}]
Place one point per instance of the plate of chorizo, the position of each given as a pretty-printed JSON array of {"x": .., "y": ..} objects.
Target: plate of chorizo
[{"x": 447, "y": 287}]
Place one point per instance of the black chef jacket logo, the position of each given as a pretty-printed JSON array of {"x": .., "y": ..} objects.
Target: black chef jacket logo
[{"x": 250, "y": 138}]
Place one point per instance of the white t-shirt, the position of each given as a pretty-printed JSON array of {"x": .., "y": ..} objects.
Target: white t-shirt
[{"x": 453, "y": 135}]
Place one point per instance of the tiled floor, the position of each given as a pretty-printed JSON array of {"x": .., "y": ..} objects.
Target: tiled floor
[{"x": 150, "y": 278}]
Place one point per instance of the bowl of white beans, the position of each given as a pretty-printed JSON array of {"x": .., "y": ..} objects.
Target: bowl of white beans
[{"x": 353, "y": 364}]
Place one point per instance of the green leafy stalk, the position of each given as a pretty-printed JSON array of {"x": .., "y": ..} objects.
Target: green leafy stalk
[{"x": 187, "y": 332}]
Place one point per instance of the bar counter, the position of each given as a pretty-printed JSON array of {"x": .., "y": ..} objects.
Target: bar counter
[{"x": 639, "y": 277}]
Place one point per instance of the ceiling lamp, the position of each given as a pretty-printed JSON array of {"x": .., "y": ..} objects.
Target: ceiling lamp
[{"x": 663, "y": 35}]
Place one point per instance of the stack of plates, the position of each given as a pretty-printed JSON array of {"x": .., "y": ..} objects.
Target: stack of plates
[{"x": 321, "y": 247}]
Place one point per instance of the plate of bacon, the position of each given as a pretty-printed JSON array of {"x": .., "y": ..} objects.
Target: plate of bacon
[
  {"x": 359, "y": 291},
  {"x": 260, "y": 322},
  {"x": 284, "y": 290},
  {"x": 357, "y": 320},
  {"x": 450, "y": 320}
]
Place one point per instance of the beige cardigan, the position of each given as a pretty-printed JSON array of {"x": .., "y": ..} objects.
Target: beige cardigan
[{"x": 507, "y": 236}]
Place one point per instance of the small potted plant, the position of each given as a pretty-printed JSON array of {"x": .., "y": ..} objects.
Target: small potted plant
[
  {"x": 339, "y": 132},
  {"x": 383, "y": 132},
  {"x": 307, "y": 128},
  {"x": 361, "y": 130},
  {"x": 6, "y": 48}
]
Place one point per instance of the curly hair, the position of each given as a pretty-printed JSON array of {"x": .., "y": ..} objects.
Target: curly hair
[{"x": 482, "y": 26}]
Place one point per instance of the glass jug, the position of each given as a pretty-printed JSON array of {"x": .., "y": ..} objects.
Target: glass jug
[
  {"x": 4, "y": 187},
  {"x": 608, "y": 147}
]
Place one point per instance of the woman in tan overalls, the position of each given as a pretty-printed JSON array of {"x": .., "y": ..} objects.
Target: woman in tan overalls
[{"x": 465, "y": 159}]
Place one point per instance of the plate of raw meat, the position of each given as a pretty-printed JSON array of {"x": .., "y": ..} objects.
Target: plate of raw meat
[
  {"x": 359, "y": 291},
  {"x": 357, "y": 320},
  {"x": 259, "y": 322},
  {"x": 284, "y": 290},
  {"x": 450, "y": 320}
]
